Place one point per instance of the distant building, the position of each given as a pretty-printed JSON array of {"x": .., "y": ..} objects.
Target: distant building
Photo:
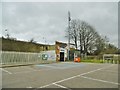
[{"x": 61, "y": 50}]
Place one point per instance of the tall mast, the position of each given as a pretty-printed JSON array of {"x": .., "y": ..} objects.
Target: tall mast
[{"x": 69, "y": 19}]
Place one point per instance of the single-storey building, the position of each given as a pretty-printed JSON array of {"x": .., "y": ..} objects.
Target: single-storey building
[{"x": 61, "y": 50}]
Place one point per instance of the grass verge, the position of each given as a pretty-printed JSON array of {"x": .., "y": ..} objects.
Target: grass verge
[{"x": 92, "y": 61}]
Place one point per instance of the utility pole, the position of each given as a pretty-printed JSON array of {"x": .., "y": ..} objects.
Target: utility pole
[{"x": 69, "y": 19}]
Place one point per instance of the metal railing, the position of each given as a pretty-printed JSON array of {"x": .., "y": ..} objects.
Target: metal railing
[{"x": 111, "y": 58}]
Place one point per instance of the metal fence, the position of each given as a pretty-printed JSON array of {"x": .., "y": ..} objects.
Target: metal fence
[
  {"x": 24, "y": 58},
  {"x": 111, "y": 58}
]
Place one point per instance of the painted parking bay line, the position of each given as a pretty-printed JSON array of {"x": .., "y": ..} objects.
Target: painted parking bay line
[
  {"x": 73, "y": 77},
  {"x": 5, "y": 71},
  {"x": 99, "y": 80},
  {"x": 61, "y": 86}
]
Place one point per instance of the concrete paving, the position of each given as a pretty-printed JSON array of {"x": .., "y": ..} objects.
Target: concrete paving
[{"x": 61, "y": 75}]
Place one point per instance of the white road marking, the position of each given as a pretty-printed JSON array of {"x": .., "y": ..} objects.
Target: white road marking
[
  {"x": 44, "y": 86},
  {"x": 53, "y": 84},
  {"x": 33, "y": 70},
  {"x": 82, "y": 74},
  {"x": 5, "y": 71},
  {"x": 28, "y": 87},
  {"x": 73, "y": 77},
  {"x": 61, "y": 86},
  {"x": 100, "y": 80}
]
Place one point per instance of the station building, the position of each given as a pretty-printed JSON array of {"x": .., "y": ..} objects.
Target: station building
[{"x": 61, "y": 50}]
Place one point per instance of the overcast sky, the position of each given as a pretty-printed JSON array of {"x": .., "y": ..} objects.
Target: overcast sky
[{"x": 26, "y": 20}]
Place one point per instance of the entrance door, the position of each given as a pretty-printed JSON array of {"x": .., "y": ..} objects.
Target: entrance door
[{"x": 61, "y": 56}]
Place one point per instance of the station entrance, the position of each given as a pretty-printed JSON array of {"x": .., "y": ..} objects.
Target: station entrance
[{"x": 61, "y": 56}]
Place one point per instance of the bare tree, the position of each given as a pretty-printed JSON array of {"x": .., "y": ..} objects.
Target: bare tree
[
  {"x": 85, "y": 34},
  {"x": 32, "y": 40},
  {"x": 74, "y": 32},
  {"x": 87, "y": 37}
]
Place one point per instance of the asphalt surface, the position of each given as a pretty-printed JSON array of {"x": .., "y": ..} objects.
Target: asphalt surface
[{"x": 61, "y": 75}]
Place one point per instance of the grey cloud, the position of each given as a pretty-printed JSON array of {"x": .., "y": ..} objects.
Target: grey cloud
[{"x": 49, "y": 20}]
